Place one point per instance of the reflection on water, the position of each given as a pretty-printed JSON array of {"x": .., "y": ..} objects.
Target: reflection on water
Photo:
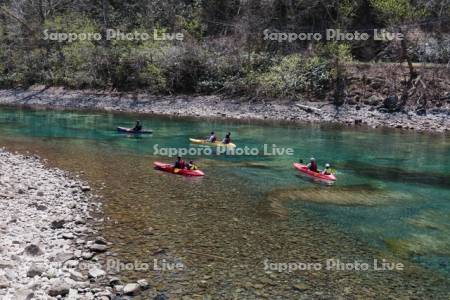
[{"x": 246, "y": 210}]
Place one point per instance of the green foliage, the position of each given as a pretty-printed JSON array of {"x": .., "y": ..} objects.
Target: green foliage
[
  {"x": 222, "y": 52},
  {"x": 292, "y": 77},
  {"x": 399, "y": 11},
  {"x": 333, "y": 50},
  {"x": 71, "y": 63}
]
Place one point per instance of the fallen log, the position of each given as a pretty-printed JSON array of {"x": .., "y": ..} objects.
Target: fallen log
[{"x": 309, "y": 109}]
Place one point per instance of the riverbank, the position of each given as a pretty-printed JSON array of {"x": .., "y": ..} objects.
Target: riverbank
[
  {"x": 48, "y": 247},
  {"x": 365, "y": 113}
]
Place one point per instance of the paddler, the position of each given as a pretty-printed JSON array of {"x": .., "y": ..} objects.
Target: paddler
[
  {"x": 179, "y": 163},
  {"x": 227, "y": 138},
  {"x": 312, "y": 165},
  {"x": 137, "y": 126},
  {"x": 327, "y": 170},
  {"x": 191, "y": 165},
  {"x": 212, "y": 137}
]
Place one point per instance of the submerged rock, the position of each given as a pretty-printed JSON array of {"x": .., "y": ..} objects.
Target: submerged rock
[{"x": 347, "y": 195}]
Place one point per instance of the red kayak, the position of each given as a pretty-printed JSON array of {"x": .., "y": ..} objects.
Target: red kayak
[
  {"x": 169, "y": 168},
  {"x": 316, "y": 175}
]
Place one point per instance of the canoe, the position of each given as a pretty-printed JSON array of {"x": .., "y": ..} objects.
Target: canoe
[
  {"x": 130, "y": 130},
  {"x": 170, "y": 169},
  {"x": 316, "y": 175},
  {"x": 215, "y": 144}
]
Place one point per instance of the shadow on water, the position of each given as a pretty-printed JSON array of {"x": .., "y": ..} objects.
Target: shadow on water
[
  {"x": 352, "y": 195},
  {"x": 396, "y": 174}
]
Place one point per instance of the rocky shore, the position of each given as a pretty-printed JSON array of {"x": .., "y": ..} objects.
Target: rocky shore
[
  {"x": 370, "y": 112},
  {"x": 48, "y": 250}
]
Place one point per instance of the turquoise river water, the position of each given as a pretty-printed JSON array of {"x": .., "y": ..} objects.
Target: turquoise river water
[{"x": 391, "y": 198}]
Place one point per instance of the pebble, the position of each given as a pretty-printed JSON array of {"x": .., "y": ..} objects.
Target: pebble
[
  {"x": 131, "y": 289},
  {"x": 96, "y": 273},
  {"x": 43, "y": 246}
]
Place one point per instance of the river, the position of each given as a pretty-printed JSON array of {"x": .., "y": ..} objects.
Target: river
[{"x": 225, "y": 233}]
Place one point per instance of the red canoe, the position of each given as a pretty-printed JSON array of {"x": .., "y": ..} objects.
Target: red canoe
[
  {"x": 316, "y": 175},
  {"x": 169, "y": 168}
]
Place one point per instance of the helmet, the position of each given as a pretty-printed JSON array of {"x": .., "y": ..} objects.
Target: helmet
[
  {"x": 313, "y": 159},
  {"x": 327, "y": 165}
]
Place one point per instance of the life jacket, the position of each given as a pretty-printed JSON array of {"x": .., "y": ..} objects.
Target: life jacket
[{"x": 313, "y": 166}]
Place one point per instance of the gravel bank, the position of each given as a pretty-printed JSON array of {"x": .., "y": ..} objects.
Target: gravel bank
[
  {"x": 48, "y": 249},
  {"x": 436, "y": 120}
]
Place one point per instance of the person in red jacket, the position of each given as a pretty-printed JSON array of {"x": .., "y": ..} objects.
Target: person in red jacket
[
  {"x": 313, "y": 165},
  {"x": 179, "y": 163}
]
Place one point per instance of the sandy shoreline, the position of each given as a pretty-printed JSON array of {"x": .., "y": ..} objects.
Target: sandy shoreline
[{"x": 436, "y": 120}]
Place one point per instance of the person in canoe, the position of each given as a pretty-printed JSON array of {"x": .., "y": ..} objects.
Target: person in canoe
[
  {"x": 312, "y": 165},
  {"x": 179, "y": 163},
  {"x": 212, "y": 137},
  {"x": 137, "y": 126},
  {"x": 227, "y": 138},
  {"x": 327, "y": 170},
  {"x": 192, "y": 166}
]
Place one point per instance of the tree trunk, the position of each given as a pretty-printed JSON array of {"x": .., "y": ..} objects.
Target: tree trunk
[
  {"x": 412, "y": 72},
  {"x": 405, "y": 56},
  {"x": 339, "y": 91}
]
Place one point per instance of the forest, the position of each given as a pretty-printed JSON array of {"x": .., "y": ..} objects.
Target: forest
[{"x": 253, "y": 48}]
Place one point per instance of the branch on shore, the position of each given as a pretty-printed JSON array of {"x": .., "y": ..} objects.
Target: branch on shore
[{"x": 309, "y": 109}]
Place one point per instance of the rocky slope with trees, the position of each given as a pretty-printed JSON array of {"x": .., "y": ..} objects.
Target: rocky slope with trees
[{"x": 227, "y": 49}]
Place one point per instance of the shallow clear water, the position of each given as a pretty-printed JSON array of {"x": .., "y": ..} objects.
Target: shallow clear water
[{"x": 392, "y": 192}]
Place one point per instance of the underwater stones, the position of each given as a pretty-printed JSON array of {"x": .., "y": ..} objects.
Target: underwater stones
[
  {"x": 161, "y": 297},
  {"x": 346, "y": 195},
  {"x": 300, "y": 287}
]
